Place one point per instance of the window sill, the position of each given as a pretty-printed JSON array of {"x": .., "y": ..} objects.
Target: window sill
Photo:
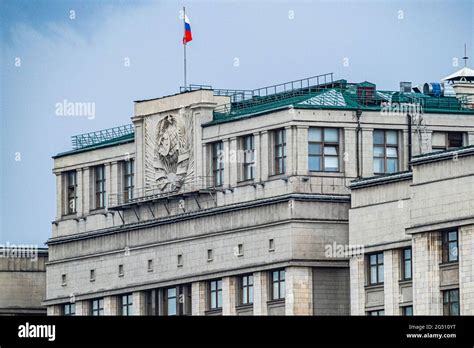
[
  {"x": 448, "y": 265},
  {"x": 405, "y": 281},
  {"x": 374, "y": 286},
  {"x": 217, "y": 311},
  {"x": 245, "y": 182},
  {"x": 277, "y": 301},
  {"x": 98, "y": 211},
  {"x": 244, "y": 306}
]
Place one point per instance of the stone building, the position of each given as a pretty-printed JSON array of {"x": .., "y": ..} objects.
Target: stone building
[
  {"x": 234, "y": 201},
  {"x": 22, "y": 280}
]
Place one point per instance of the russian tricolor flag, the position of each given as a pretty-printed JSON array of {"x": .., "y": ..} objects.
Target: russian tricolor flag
[{"x": 187, "y": 30}]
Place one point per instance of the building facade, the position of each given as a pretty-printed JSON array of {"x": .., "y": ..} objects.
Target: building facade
[
  {"x": 234, "y": 202},
  {"x": 22, "y": 280}
]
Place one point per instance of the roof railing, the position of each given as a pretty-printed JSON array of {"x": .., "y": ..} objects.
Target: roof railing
[{"x": 83, "y": 140}]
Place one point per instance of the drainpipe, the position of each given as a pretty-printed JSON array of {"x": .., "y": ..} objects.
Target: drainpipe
[
  {"x": 358, "y": 129},
  {"x": 409, "y": 141}
]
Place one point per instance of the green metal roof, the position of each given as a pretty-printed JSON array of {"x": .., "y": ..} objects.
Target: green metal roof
[{"x": 127, "y": 138}]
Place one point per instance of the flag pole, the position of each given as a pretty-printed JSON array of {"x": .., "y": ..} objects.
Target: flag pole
[{"x": 184, "y": 44}]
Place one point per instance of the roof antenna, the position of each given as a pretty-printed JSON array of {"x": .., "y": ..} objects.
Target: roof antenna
[{"x": 465, "y": 56}]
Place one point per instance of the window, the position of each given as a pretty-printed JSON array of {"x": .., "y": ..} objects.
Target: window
[
  {"x": 280, "y": 151},
  {"x": 128, "y": 179},
  {"x": 218, "y": 163},
  {"x": 180, "y": 260},
  {"x": 69, "y": 309},
  {"x": 451, "y": 302},
  {"x": 246, "y": 289},
  {"x": 126, "y": 304},
  {"x": 441, "y": 141},
  {"x": 249, "y": 157},
  {"x": 271, "y": 245},
  {"x": 406, "y": 263},
  {"x": 152, "y": 301},
  {"x": 323, "y": 149},
  {"x": 278, "y": 284},
  {"x": 209, "y": 255},
  {"x": 120, "y": 271},
  {"x": 150, "y": 265},
  {"x": 240, "y": 250},
  {"x": 215, "y": 294},
  {"x": 171, "y": 301},
  {"x": 376, "y": 268},
  {"x": 376, "y": 313},
  {"x": 92, "y": 275},
  {"x": 63, "y": 280},
  {"x": 385, "y": 151},
  {"x": 450, "y": 246},
  {"x": 407, "y": 311},
  {"x": 71, "y": 186},
  {"x": 99, "y": 187},
  {"x": 97, "y": 307}
]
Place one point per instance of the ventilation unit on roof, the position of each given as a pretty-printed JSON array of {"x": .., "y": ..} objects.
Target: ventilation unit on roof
[
  {"x": 435, "y": 89},
  {"x": 405, "y": 87},
  {"x": 365, "y": 92}
]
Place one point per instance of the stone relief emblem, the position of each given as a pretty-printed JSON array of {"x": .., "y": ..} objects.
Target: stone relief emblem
[{"x": 169, "y": 152}]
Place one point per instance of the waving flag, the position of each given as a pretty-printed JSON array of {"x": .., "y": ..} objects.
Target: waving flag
[{"x": 187, "y": 31}]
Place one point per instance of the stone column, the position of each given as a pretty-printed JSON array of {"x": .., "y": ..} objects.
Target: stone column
[
  {"x": 111, "y": 305},
  {"x": 290, "y": 151},
  {"x": 357, "y": 281},
  {"x": 232, "y": 159},
  {"x": 198, "y": 298},
  {"x": 302, "y": 150},
  {"x": 229, "y": 290},
  {"x": 466, "y": 269},
  {"x": 258, "y": 157},
  {"x": 140, "y": 153},
  {"x": 299, "y": 291},
  {"x": 348, "y": 152},
  {"x": 86, "y": 191},
  {"x": 114, "y": 178},
  {"x": 108, "y": 188},
  {"x": 82, "y": 307},
  {"x": 225, "y": 158},
  {"x": 59, "y": 196},
  {"x": 138, "y": 298},
  {"x": 427, "y": 299},
  {"x": 265, "y": 153},
  {"x": 366, "y": 152},
  {"x": 470, "y": 138},
  {"x": 391, "y": 276},
  {"x": 260, "y": 293}
]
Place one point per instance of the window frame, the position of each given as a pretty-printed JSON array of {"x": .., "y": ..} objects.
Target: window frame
[
  {"x": 99, "y": 311},
  {"x": 447, "y": 143},
  {"x": 404, "y": 263},
  {"x": 448, "y": 303},
  {"x": 322, "y": 155},
  {"x": 279, "y": 161},
  {"x": 280, "y": 282},
  {"x": 404, "y": 311},
  {"x": 71, "y": 309},
  {"x": 446, "y": 246},
  {"x": 68, "y": 186},
  {"x": 126, "y": 308},
  {"x": 217, "y": 163},
  {"x": 248, "y": 165},
  {"x": 246, "y": 289},
  {"x": 216, "y": 294},
  {"x": 167, "y": 299},
  {"x": 386, "y": 146},
  {"x": 128, "y": 179},
  {"x": 376, "y": 313},
  {"x": 99, "y": 186},
  {"x": 377, "y": 266}
]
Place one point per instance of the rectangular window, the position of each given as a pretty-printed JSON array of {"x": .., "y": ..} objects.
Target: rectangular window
[
  {"x": 376, "y": 268},
  {"x": 248, "y": 147},
  {"x": 97, "y": 307},
  {"x": 171, "y": 299},
  {"x": 99, "y": 173},
  {"x": 218, "y": 163},
  {"x": 271, "y": 245},
  {"x": 280, "y": 151},
  {"x": 152, "y": 302},
  {"x": 406, "y": 263},
  {"x": 215, "y": 294},
  {"x": 450, "y": 246},
  {"x": 407, "y": 311},
  {"x": 69, "y": 309},
  {"x": 150, "y": 265},
  {"x": 209, "y": 255},
  {"x": 376, "y": 313},
  {"x": 441, "y": 141},
  {"x": 246, "y": 289},
  {"x": 128, "y": 179},
  {"x": 323, "y": 149},
  {"x": 451, "y": 302},
  {"x": 385, "y": 151},
  {"x": 71, "y": 187},
  {"x": 126, "y": 304},
  {"x": 120, "y": 271},
  {"x": 278, "y": 284},
  {"x": 92, "y": 275}
]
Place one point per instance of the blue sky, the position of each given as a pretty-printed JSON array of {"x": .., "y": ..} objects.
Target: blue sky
[{"x": 82, "y": 60}]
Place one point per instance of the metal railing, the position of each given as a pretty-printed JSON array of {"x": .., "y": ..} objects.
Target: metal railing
[
  {"x": 82, "y": 140},
  {"x": 145, "y": 194}
]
